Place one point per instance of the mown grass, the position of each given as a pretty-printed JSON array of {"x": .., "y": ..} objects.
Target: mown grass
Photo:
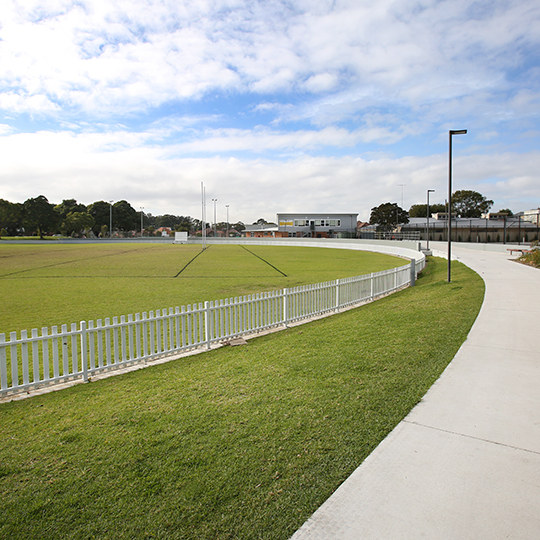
[
  {"x": 45, "y": 285},
  {"x": 240, "y": 442}
]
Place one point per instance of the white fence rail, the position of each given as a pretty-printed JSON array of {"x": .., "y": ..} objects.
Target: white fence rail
[{"x": 78, "y": 352}]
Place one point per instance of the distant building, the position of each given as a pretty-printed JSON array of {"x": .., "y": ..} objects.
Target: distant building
[
  {"x": 261, "y": 230},
  {"x": 494, "y": 227},
  {"x": 321, "y": 225},
  {"x": 532, "y": 215}
]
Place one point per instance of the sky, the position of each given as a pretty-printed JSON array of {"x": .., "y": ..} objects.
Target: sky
[{"x": 272, "y": 105}]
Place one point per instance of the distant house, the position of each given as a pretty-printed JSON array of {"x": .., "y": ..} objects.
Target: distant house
[
  {"x": 164, "y": 231},
  {"x": 261, "y": 230}
]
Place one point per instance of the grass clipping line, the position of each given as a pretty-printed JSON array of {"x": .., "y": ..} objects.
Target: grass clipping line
[{"x": 241, "y": 442}]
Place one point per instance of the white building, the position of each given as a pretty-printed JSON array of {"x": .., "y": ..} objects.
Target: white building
[{"x": 321, "y": 225}]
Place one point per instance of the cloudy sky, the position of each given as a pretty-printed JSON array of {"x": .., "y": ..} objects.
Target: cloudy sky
[{"x": 275, "y": 105}]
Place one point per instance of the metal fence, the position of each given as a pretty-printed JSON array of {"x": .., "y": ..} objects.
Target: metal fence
[{"x": 58, "y": 355}]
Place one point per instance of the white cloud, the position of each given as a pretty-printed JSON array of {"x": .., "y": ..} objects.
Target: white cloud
[{"x": 100, "y": 55}]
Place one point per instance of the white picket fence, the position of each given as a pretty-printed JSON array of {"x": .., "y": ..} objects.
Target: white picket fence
[{"x": 80, "y": 351}]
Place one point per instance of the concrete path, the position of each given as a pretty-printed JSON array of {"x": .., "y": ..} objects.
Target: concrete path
[{"x": 465, "y": 463}]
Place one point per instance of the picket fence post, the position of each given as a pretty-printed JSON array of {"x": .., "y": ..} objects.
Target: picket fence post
[
  {"x": 285, "y": 306},
  {"x": 84, "y": 352},
  {"x": 207, "y": 323}
]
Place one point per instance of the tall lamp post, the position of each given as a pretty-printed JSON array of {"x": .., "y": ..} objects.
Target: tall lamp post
[
  {"x": 215, "y": 224},
  {"x": 450, "y": 134},
  {"x": 110, "y": 219},
  {"x": 142, "y": 208},
  {"x": 227, "y": 207},
  {"x": 427, "y": 216}
]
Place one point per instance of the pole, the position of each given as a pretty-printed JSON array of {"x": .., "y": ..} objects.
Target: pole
[
  {"x": 215, "y": 222},
  {"x": 227, "y": 207},
  {"x": 110, "y": 219},
  {"x": 427, "y": 216},
  {"x": 142, "y": 208},
  {"x": 450, "y": 133}
]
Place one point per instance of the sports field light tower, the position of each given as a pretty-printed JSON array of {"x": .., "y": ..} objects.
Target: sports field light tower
[
  {"x": 427, "y": 216},
  {"x": 215, "y": 223},
  {"x": 110, "y": 219},
  {"x": 450, "y": 134}
]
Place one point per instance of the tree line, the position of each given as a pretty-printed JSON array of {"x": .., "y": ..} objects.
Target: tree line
[{"x": 37, "y": 216}]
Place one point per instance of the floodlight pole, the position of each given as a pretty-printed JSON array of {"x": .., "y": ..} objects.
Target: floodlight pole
[
  {"x": 215, "y": 223},
  {"x": 450, "y": 133},
  {"x": 227, "y": 207},
  {"x": 110, "y": 219},
  {"x": 427, "y": 216},
  {"x": 142, "y": 208}
]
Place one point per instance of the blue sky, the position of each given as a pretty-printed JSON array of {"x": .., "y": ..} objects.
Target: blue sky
[{"x": 276, "y": 106}]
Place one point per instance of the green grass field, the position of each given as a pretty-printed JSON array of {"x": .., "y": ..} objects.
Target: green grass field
[
  {"x": 240, "y": 442},
  {"x": 45, "y": 285}
]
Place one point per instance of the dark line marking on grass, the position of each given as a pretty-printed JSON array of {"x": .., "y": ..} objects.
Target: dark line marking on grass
[
  {"x": 200, "y": 253},
  {"x": 264, "y": 261},
  {"x": 68, "y": 262}
]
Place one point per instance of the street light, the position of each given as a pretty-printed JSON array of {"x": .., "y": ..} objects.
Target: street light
[
  {"x": 427, "y": 215},
  {"x": 215, "y": 224},
  {"x": 110, "y": 220},
  {"x": 227, "y": 207},
  {"x": 142, "y": 208},
  {"x": 450, "y": 133}
]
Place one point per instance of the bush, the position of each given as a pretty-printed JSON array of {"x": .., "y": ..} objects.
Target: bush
[{"x": 533, "y": 258}]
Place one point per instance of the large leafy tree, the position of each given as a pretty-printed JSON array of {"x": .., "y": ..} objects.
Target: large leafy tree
[
  {"x": 420, "y": 210},
  {"x": 470, "y": 204},
  {"x": 387, "y": 216},
  {"x": 39, "y": 215},
  {"x": 67, "y": 206},
  {"x": 11, "y": 217},
  {"x": 125, "y": 217},
  {"x": 77, "y": 223},
  {"x": 101, "y": 212}
]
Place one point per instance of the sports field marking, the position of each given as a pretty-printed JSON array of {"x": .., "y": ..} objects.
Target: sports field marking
[
  {"x": 62, "y": 263},
  {"x": 186, "y": 265},
  {"x": 265, "y": 261}
]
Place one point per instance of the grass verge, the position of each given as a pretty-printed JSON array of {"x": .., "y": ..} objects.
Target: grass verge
[{"x": 241, "y": 442}]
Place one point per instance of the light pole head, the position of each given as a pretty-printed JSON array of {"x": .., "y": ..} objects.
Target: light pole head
[{"x": 458, "y": 132}]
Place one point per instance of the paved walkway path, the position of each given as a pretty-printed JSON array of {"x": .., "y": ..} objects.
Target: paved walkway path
[{"x": 465, "y": 462}]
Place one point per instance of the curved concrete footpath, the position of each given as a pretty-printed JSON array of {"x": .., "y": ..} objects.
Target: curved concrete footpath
[{"x": 465, "y": 462}]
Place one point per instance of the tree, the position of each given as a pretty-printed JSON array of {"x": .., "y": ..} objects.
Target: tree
[
  {"x": 470, "y": 204},
  {"x": 125, "y": 217},
  {"x": 77, "y": 223},
  {"x": 39, "y": 215},
  {"x": 67, "y": 206},
  {"x": 420, "y": 210},
  {"x": 11, "y": 216},
  {"x": 386, "y": 216},
  {"x": 507, "y": 211},
  {"x": 101, "y": 212}
]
